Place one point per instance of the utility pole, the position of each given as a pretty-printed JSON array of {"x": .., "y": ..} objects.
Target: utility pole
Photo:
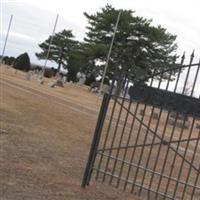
[
  {"x": 8, "y": 31},
  {"x": 109, "y": 52},
  {"x": 51, "y": 40},
  {"x": 60, "y": 59}
]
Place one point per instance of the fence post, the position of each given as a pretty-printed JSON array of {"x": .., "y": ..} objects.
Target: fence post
[{"x": 96, "y": 139}]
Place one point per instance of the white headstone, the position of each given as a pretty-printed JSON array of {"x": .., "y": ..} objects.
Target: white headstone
[
  {"x": 28, "y": 75},
  {"x": 64, "y": 79},
  {"x": 52, "y": 84},
  {"x": 40, "y": 80},
  {"x": 81, "y": 78}
]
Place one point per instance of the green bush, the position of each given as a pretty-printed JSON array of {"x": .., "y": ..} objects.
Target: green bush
[
  {"x": 22, "y": 62},
  {"x": 8, "y": 60}
]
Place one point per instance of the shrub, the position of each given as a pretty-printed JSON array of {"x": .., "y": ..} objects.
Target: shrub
[{"x": 22, "y": 62}]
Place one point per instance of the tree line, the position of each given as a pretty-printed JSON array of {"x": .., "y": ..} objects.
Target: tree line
[{"x": 140, "y": 48}]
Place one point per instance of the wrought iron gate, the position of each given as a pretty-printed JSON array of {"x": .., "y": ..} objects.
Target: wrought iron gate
[{"x": 147, "y": 140}]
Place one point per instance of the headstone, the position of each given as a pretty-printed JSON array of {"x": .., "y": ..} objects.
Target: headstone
[
  {"x": 28, "y": 75},
  {"x": 59, "y": 83},
  {"x": 179, "y": 123},
  {"x": 36, "y": 71},
  {"x": 179, "y": 120},
  {"x": 198, "y": 126},
  {"x": 94, "y": 87},
  {"x": 81, "y": 78},
  {"x": 171, "y": 122},
  {"x": 179, "y": 116},
  {"x": 142, "y": 112},
  {"x": 82, "y": 81},
  {"x": 40, "y": 80},
  {"x": 155, "y": 115},
  {"x": 52, "y": 84},
  {"x": 173, "y": 115},
  {"x": 182, "y": 124},
  {"x": 64, "y": 79}
]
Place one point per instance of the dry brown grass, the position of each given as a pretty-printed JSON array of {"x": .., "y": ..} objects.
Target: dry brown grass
[{"x": 49, "y": 131}]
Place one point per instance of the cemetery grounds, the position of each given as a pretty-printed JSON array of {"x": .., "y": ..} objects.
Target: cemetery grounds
[{"x": 45, "y": 139}]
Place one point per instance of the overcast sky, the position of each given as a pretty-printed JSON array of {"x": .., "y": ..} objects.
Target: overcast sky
[{"x": 34, "y": 19}]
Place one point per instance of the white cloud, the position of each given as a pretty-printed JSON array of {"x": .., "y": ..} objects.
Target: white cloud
[{"x": 18, "y": 36}]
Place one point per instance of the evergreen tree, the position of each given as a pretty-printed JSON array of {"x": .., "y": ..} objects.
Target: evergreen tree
[
  {"x": 139, "y": 47},
  {"x": 22, "y": 62},
  {"x": 62, "y": 44},
  {"x": 10, "y": 60}
]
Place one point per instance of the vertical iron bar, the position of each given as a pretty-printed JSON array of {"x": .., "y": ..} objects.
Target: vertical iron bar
[
  {"x": 183, "y": 92},
  {"x": 173, "y": 129},
  {"x": 162, "y": 138},
  {"x": 195, "y": 183},
  {"x": 146, "y": 137},
  {"x": 118, "y": 140},
  {"x": 182, "y": 163},
  {"x": 195, "y": 79},
  {"x": 132, "y": 126},
  {"x": 179, "y": 72},
  {"x": 192, "y": 161},
  {"x": 167, "y": 153},
  {"x": 197, "y": 177},
  {"x": 188, "y": 72},
  {"x": 122, "y": 133},
  {"x": 108, "y": 130},
  {"x": 127, "y": 143},
  {"x": 154, "y": 137},
  {"x": 177, "y": 147},
  {"x": 114, "y": 134},
  {"x": 136, "y": 141},
  {"x": 174, "y": 159},
  {"x": 96, "y": 139},
  {"x": 171, "y": 138}
]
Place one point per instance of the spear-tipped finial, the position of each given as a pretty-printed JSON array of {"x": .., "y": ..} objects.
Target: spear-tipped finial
[
  {"x": 192, "y": 57},
  {"x": 183, "y": 58}
]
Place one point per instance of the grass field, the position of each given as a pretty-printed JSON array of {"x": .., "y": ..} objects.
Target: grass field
[
  {"x": 48, "y": 132},
  {"x": 45, "y": 139}
]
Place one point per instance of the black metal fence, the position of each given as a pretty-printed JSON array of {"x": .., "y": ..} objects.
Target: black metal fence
[{"x": 147, "y": 139}]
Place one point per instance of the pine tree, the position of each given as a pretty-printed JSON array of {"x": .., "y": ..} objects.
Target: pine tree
[
  {"x": 139, "y": 47},
  {"x": 62, "y": 45}
]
